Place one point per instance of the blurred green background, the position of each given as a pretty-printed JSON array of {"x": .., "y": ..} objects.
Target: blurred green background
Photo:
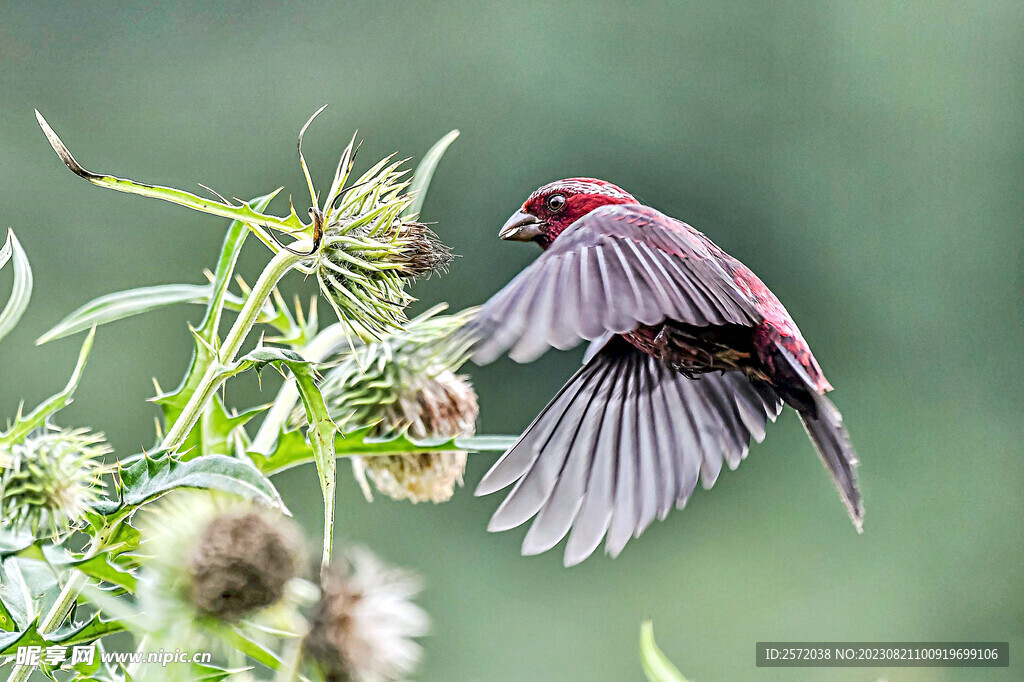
[{"x": 865, "y": 158}]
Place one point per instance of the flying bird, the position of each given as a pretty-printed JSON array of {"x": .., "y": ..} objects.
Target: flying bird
[{"x": 691, "y": 355}]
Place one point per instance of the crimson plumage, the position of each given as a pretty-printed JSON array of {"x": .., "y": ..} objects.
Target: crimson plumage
[{"x": 691, "y": 355}]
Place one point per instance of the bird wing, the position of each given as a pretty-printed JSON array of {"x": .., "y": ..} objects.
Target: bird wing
[
  {"x": 623, "y": 441},
  {"x": 611, "y": 271}
]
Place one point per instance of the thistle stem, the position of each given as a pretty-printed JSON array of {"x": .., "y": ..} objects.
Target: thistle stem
[{"x": 278, "y": 267}]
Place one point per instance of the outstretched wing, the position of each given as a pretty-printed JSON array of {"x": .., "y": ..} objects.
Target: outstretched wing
[
  {"x": 622, "y": 442},
  {"x": 613, "y": 270}
]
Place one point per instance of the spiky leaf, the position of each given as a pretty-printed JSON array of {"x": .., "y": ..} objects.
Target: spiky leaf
[
  {"x": 243, "y": 212},
  {"x": 70, "y": 634},
  {"x": 27, "y": 589},
  {"x": 292, "y": 449},
  {"x": 148, "y": 477},
  {"x": 321, "y": 430}
]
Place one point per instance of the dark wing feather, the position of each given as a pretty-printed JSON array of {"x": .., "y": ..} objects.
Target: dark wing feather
[
  {"x": 621, "y": 444},
  {"x": 613, "y": 270}
]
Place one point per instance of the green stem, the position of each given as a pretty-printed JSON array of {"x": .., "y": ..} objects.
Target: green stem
[{"x": 214, "y": 376}]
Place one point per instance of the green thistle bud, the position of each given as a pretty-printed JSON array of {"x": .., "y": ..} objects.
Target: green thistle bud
[
  {"x": 364, "y": 625},
  {"x": 406, "y": 383},
  {"x": 51, "y": 479},
  {"x": 369, "y": 249}
]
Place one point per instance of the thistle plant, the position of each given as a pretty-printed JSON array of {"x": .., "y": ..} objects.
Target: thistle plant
[{"x": 188, "y": 542}]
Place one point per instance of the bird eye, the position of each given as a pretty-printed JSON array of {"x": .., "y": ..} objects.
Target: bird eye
[{"x": 556, "y": 202}]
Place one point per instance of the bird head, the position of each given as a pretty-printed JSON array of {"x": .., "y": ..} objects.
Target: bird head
[{"x": 557, "y": 205}]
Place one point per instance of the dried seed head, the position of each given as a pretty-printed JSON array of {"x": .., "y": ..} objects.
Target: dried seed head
[
  {"x": 212, "y": 559},
  {"x": 423, "y": 253},
  {"x": 364, "y": 625},
  {"x": 444, "y": 406},
  {"x": 241, "y": 563},
  {"x": 406, "y": 384},
  {"x": 51, "y": 479}
]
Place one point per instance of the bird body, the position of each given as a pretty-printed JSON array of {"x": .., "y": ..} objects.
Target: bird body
[{"x": 693, "y": 354}]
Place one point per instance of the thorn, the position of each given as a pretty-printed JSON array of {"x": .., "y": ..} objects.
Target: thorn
[
  {"x": 284, "y": 246},
  {"x": 218, "y": 194},
  {"x": 246, "y": 290}
]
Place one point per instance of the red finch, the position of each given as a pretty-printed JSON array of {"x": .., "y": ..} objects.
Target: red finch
[{"x": 691, "y": 355}]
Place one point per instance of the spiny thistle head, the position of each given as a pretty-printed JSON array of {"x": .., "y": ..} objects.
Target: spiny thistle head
[
  {"x": 364, "y": 625},
  {"x": 218, "y": 558},
  {"x": 369, "y": 248},
  {"x": 406, "y": 384},
  {"x": 51, "y": 479}
]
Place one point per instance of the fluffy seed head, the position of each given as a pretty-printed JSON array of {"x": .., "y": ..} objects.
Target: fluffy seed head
[
  {"x": 364, "y": 625},
  {"x": 51, "y": 479},
  {"x": 442, "y": 406},
  {"x": 211, "y": 559},
  {"x": 241, "y": 563}
]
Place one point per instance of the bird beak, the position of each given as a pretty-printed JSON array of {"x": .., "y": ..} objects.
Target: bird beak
[{"x": 521, "y": 227}]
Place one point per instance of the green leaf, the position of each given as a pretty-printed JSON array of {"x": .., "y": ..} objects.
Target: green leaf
[
  {"x": 22, "y": 290},
  {"x": 23, "y": 425},
  {"x": 113, "y": 565},
  {"x": 237, "y": 638},
  {"x": 124, "y": 304},
  {"x": 70, "y": 634},
  {"x": 206, "y": 672},
  {"x": 656, "y": 666},
  {"x": 242, "y": 212},
  {"x": 292, "y": 449},
  {"x": 216, "y": 426},
  {"x": 425, "y": 171},
  {"x": 28, "y": 588},
  {"x": 148, "y": 477},
  {"x": 103, "y": 567}
]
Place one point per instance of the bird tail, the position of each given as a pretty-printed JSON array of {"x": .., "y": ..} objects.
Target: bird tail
[
  {"x": 825, "y": 427},
  {"x": 623, "y": 442}
]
